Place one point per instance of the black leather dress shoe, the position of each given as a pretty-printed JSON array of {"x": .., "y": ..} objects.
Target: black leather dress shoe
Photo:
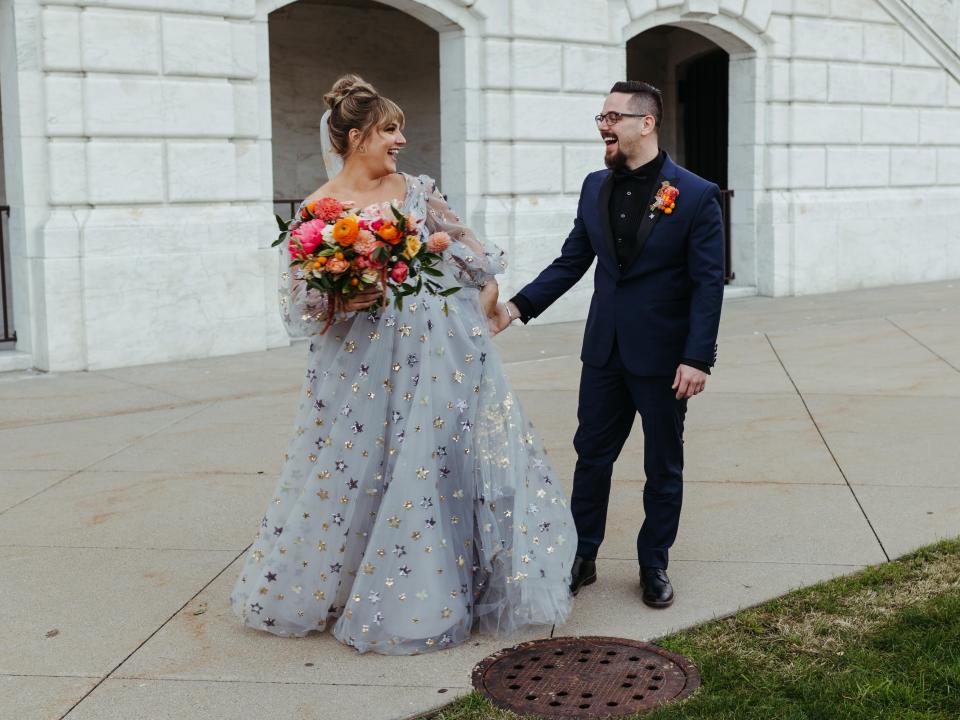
[
  {"x": 583, "y": 572},
  {"x": 657, "y": 590}
]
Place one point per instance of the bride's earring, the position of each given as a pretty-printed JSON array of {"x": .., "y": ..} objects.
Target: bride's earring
[{"x": 362, "y": 148}]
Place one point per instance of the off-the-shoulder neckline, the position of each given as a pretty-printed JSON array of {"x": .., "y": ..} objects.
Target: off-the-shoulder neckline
[{"x": 410, "y": 182}]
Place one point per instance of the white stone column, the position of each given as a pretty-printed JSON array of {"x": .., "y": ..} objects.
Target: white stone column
[
  {"x": 548, "y": 67},
  {"x": 158, "y": 219}
]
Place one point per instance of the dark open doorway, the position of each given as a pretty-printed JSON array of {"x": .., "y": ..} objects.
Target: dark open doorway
[{"x": 693, "y": 74}]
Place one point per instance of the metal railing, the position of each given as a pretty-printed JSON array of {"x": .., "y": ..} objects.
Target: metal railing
[
  {"x": 728, "y": 273},
  {"x": 9, "y": 334},
  {"x": 290, "y": 206}
]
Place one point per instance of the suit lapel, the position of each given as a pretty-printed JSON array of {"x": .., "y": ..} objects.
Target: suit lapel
[
  {"x": 603, "y": 207},
  {"x": 651, "y": 217}
]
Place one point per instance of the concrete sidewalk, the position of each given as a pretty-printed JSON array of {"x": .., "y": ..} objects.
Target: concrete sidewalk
[{"x": 826, "y": 441}]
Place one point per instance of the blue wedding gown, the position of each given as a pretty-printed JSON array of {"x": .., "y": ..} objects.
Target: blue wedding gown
[{"x": 416, "y": 501}]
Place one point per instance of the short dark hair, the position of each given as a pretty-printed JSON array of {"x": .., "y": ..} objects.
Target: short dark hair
[{"x": 646, "y": 98}]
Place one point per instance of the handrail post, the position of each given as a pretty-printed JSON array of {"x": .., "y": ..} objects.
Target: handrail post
[{"x": 8, "y": 335}]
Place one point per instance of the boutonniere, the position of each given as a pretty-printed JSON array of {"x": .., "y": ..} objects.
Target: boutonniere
[{"x": 666, "y": 199}]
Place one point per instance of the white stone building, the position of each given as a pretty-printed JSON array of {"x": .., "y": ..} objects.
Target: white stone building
[{"x": 145, "y": 141}]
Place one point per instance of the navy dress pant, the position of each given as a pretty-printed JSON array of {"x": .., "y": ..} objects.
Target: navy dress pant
[{"x": 610, "y": 398}]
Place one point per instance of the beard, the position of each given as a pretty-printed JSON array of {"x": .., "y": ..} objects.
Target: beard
[{"x": 615, "y": 162}]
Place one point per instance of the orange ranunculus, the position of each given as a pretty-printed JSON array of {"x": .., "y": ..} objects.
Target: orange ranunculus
[
  {"x": 345, "y": 231},
  {"x": 389, "y": 232}
]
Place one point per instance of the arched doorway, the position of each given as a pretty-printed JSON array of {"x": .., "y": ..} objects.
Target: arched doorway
[
  {"x": 304, "y": 64},
  {"x": 710, "y": 83},
  {"x": 456, "y": 35}
]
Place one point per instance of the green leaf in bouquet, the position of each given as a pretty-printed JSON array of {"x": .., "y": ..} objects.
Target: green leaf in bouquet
[
  {"x": 283, "y": 224},
  {"x": 430, "y": 271},
  {"x": 278, "y": 240},
  {"x": 450, "y": 291},
  {"x": 446, "y": 308},
  {"x": 401, "y": 220},
  {"x": 398, "y": 302}
]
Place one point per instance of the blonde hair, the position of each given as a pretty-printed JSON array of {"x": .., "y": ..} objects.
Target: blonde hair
[{"x": 355, "y": 103}]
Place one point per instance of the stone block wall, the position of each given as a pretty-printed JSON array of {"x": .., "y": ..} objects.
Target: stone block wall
[
  {"x": 144, "y": 165},
  {"x": 546, "y": 72},
  {"x": 863, "y": 141},
  {"x": 156, "y": 179}
]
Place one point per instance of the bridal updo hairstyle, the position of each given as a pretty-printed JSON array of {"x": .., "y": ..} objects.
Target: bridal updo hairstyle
[{"x": 355, "y": 103}]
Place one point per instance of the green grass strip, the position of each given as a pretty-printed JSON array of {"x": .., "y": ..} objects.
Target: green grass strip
[{"x": 881, "y": 644}]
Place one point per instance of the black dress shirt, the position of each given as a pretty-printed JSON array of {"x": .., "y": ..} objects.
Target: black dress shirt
[{"x": 630, "y": 197}]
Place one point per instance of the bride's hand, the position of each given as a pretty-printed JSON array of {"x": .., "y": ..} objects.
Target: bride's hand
[
  {"x": 500, "y": 320},
  {"x": 363, "y": 299},
  {"x": 489, "y": 294}
]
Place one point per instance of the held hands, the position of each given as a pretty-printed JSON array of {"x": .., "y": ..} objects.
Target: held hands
[
  {"x": 495, "y": 312},
  {"x": 502, "y": 317},
  {"x": 688, "y": 382}
]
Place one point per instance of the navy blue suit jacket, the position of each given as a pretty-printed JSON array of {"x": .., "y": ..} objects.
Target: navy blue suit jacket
[{"x": 663, "y": 305}]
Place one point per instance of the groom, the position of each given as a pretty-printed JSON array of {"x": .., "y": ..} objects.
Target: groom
[{"x": 650, "y": 336}]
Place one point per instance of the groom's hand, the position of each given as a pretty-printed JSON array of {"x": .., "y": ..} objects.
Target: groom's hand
[{"x": 688, "y": 382}]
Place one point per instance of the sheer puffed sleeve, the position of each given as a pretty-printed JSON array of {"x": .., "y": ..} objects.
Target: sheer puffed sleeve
[
  {"x": 302, "y": 309},
  {"x": 475, "y": 261}
]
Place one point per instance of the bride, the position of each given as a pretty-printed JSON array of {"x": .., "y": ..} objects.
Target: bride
[{"x": 415, "y": 501}]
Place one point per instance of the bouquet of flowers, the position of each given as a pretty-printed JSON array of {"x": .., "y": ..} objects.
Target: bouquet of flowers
[{"x": 340, "y": 250}]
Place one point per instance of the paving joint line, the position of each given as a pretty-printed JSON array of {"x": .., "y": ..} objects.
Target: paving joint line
[
  {"x": 288, "y": 682},
  {"x": 158, "y": 629},
  {"x": 823, "y": 439},
  {"x": 98, "y": 460},
  {"x": 111, "y": 547},
  {"x": 923, "y": 344},
  {"x": 172, "y": 405},
  {"x": 48, "y": 675},
  {"x": 743, "y": 562}
]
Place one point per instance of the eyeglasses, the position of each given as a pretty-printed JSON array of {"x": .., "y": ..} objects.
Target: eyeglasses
[{"x": 612, "y": 117}]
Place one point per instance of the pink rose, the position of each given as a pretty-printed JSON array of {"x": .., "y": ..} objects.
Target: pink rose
[
  {"x": 309, "y": 235},
  {"x": 365, "y": 242},
  {"x": 374, "y": 263},
  {"x": 399, "y": 272},
  {"x": 438, "y": 242}
]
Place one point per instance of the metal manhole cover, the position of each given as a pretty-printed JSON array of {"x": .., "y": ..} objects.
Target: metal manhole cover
[{"x": 584, "y": 677}]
